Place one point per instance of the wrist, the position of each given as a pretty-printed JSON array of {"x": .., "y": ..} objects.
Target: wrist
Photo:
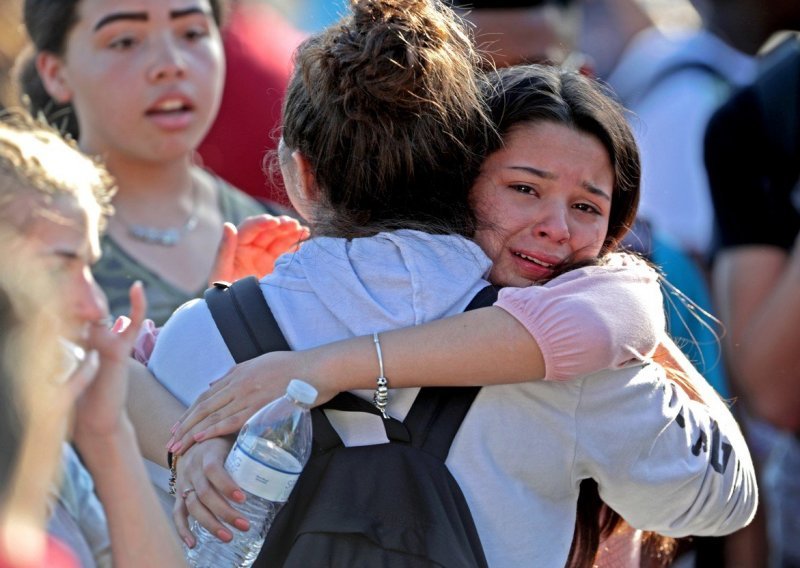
[{"x": 99, "y": 450}]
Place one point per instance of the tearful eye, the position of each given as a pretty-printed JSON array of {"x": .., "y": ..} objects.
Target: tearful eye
[
  {"x": 522, "y": 188},
  {"x": 587, "y": 208}
]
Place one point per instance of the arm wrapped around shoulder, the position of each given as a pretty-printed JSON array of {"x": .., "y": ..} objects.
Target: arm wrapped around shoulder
[{"x": 592, "y": 318}]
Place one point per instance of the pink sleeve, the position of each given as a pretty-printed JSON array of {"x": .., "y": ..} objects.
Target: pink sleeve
[
  {"x": 145, "y": 342},
  {"x": 592, "y": 318}
]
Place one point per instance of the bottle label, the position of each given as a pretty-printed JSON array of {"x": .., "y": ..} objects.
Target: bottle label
[{"x": 260, "y": 479}]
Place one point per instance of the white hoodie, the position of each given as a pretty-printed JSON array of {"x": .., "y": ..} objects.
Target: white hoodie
[{"x": 662, "y": 461}]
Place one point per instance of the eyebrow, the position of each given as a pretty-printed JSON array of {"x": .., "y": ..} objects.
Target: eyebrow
[
  {"x": 594, "y": 190},
  {"x": 143, "y": 16}
]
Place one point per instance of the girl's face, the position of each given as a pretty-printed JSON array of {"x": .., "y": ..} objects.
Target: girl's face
[
  {"x": 144, "y": 76},
  {"x": 64, "y": 235},
  {"x": 542, "y": 199}
]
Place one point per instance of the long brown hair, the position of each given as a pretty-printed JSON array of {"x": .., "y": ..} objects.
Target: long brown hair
[
  {"x": 528, "y": 94},
  {"x": 386, "y": 106}
]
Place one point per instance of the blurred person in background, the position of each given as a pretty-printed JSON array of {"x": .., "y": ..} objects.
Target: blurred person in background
[
  {"x": 258, "y": 42},
  {"x": 143, "y": 81},
  {"x": 752, "y": 151},
  {"x": 513, "y": 32},
  {"x": 65, "y": 373},
  {"x": 12, "y": 38},
  {"x": 673, "y": 83}
]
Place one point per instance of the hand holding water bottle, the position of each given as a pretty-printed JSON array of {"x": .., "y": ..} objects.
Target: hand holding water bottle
[{"x": 265, "y": 462}]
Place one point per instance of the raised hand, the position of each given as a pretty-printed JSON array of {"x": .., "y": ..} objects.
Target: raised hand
[
  {"x": 253, "y": 247},
  {"x": 101, "y": 404}
]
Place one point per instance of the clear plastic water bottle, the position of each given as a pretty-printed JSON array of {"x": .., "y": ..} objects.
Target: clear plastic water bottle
[{"x": 269, "y": 454}]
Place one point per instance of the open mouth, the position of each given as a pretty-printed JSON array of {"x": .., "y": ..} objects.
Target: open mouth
[
  {"x": 170, "y": 106},
  {"x": 534, "y": 260}
]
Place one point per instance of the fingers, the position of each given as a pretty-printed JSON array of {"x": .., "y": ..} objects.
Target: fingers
[
  {"x": 83, "y": 375},
  {"x": 202, "y": 491},
  {"x": 199, "y": 412},
  {"x": 214, "y": 426},
  {"x": 214, "y": 388},
  {"x": 223, "y": 266},
  {"x": 253, "y": 227},
  {"x": 180, "y": 517},
  {"x": 284, "y": 244},
  {"x": 287, "y": 228},
  {"x": 128, "y": 327},
  {"x": 138, "y": 308}
]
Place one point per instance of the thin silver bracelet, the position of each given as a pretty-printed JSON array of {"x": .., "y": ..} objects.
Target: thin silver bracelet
[{"x": 381, "y": 397}]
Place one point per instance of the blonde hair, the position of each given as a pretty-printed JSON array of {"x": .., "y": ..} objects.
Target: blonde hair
[
  {"x": 29, "y": 363},
  {"x": 35, "y": 159}
]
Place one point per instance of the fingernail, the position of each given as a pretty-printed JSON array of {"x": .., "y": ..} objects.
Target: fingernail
[
  {"x": 199, "y": 437},
  {"x": 242, "y": 524},
  {"x": 238, "y": 496},
  {"x": 169, "y": 444},
  {"x": 175, "y": 448},
  {"x": 189, "y": 541},
  {"x": 174, "y": 427},
  {"x": 224, "y": 535}
]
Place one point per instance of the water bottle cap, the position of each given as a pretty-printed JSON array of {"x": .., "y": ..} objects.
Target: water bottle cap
[{"x": 301, "y": 391}]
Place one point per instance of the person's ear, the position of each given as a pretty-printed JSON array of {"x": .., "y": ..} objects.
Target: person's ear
[
  {"x": 306, "y": 182},
  {"x": 51, "y": 70}
]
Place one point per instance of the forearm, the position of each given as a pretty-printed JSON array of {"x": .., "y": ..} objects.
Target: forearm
[
  {"x": 153, "y": 411},
  {"x": 140, "y": 533},
  {"x": 761, "y": 311},
  {"x": 767, "y": 355},
  {"x": 483, "y": 347},
  {"x": 578, "y": 324}
]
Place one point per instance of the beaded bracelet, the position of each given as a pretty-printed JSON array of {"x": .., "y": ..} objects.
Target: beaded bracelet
[
  {"x": 172, "y": 463},
  {"x": 381, "y": 397}
]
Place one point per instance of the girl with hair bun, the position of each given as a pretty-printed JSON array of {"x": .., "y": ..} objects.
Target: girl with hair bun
[{"x": 384, "y": 132}]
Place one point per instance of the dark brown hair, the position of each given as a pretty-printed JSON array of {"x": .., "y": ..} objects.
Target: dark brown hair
[
  {"x": 386, "y": 107},
  {"x": 535, "y": 93},
  {"x": 48, "y": 23}
]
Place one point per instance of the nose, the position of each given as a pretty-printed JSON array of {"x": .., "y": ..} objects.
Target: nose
[
  {"x": 552, "y": 224},
  {"x": 168, "y": 61},
  {"x": 89, "y": 301}
]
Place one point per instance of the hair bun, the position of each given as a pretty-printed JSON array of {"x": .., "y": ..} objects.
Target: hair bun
[
  {"x": 386, "y": 106},
  {"x": 413, "y": 37}
]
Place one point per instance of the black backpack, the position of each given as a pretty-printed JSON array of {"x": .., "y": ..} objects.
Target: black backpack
[{"x": 392, "y": 505}]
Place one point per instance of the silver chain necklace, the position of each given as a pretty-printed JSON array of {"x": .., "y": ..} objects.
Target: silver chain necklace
[{"x": 162, "y": 237}]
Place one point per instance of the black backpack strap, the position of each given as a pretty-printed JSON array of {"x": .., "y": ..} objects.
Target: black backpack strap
[
  {"x": 437, "y": 412},
  {"x": 244, "y": 319},
  {"x": 249, "y": 329},
  {"x": 396, "y": 431}
]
